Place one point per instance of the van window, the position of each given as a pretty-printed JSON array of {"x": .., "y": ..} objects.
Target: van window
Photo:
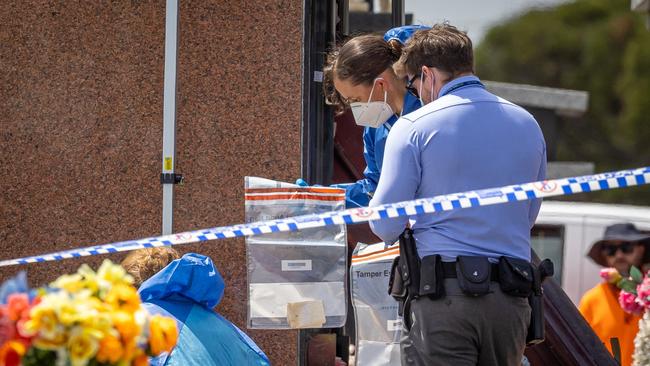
[{"x": 548, "y": 242}]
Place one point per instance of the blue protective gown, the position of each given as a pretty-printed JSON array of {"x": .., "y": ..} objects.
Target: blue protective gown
[
  {"x": 358, "y": 194},
  {"x": 187, "y": 290}
]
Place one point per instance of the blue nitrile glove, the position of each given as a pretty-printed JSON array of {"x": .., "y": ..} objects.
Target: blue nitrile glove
[{"x": 303, "y": 183}]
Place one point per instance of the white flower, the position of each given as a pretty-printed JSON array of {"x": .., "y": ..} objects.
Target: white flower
[{"x": 642, "y": 342}]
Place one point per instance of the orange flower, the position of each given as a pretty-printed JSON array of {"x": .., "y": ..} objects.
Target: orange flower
[
  {"x": 11, "y": 353},
  {"x": 162, "y": 334},
  {"x": 141, "y": 360},
  {"x": 110, "y": 350},
  {"x": 131, "y": 350},
  {"x": 16, "y": 305},
  {"x": 126, "y": 325},
  {"x": 124, "y": 297}
]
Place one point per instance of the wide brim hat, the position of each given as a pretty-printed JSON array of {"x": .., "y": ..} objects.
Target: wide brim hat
[{"x": 626, "y": 232}]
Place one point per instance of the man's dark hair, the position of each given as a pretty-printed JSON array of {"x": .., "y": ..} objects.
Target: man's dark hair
[{"x": 443, "y": 47}]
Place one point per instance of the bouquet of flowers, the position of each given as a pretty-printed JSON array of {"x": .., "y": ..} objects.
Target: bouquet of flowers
[
  {"x": 87, "y": 318},
  {"x": 634, "y": 298}
]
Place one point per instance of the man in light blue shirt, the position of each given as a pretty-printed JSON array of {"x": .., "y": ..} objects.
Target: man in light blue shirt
[
  {"x": 464, "y": 138},
  {"x": 467, "y": 139}
]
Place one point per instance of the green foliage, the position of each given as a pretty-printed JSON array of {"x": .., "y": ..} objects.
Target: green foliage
[
  {"x": 599, "y": 46},
  {"x": 627, "y": 285},
  {"x": 636, "y": 275},
  {"x": 39, "y": 357}
]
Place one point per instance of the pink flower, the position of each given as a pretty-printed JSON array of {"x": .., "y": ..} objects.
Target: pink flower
[
  {"x": 643, "y": 291},
  {"x": 16, "y": 305},
  {"x": 629, "y": 304},
  {"x": 610, "y": 275},
  {"x": 7, "y": 329}
]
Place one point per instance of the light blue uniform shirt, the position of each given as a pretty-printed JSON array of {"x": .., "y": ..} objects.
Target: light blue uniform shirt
[{"x": 467, "y": 139}]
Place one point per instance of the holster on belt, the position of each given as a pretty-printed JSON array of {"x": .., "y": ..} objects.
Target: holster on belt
[
  {"x": 536, "y": 327},
  {"x": 404, "y": 280},
  {"x": 396, "y": 286}
]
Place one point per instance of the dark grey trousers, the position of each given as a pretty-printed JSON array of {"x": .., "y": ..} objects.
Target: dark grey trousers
[{"x": 460, "y": 330}]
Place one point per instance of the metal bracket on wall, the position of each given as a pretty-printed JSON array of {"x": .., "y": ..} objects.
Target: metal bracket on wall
[{"x": 172, "y": 178}]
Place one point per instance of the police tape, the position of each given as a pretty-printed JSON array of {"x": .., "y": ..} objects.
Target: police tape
[{"x": 448, "y": 202}]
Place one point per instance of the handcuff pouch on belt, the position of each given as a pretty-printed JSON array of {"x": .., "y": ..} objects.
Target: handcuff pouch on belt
[
  {"x": 516, "y": 276},
  {"x": 474, "y": 275}
]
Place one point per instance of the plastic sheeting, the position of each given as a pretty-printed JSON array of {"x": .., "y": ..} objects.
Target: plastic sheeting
[
  {"x": 305, "y": 268},
  {"x": 378, "y": 325}
]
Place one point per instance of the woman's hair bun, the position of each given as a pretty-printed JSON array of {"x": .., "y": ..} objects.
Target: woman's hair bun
[{"x": 395, "y": 48}]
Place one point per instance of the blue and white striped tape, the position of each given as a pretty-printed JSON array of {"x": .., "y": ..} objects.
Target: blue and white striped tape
[{"x": 484, "y": 197}]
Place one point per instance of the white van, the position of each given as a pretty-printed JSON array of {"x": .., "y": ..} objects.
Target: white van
[{"x": 565, "y": 231}]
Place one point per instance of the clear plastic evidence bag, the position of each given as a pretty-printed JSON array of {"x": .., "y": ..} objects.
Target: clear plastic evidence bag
[
  {"x": 295, "y": 279},
  {"x": 377, "y": 323}
]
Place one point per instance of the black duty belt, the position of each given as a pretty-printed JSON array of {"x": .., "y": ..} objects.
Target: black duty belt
[{"x": 449, "y": 269}]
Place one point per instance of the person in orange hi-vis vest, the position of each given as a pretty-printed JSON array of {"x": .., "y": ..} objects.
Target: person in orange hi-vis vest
[{"x": 622, "y": 247}]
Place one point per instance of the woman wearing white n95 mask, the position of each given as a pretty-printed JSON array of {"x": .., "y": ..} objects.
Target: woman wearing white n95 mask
[
  {"x": 371, "y": 113},
  {"x": 359, "y": 76}
]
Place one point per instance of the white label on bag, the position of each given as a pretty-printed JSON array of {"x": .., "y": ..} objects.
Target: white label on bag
[
  {"x": 394, "y": 325},
  {"x": 296, "y": 265}
]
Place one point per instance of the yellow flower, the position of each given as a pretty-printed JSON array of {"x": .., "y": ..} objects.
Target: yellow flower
[
  {"x": 71, "y": 283},
  {"x": 82, "y": 345},
  {"x": 45, "y": 324},
  {"x": 90, "y": 279},
  {"x": 162, "y": 334},
  {"x": 126, "y": 325},
  {"x": 113, "y": 274},
  {"x": 123, "y": 297},
  {"x": 110, "y": 349},
  {"x": 70, "y": 311},
  {"x": 86, "y": 310},
  {"x": 100, "y": 321},
  {"x": 52, "y": 344}
]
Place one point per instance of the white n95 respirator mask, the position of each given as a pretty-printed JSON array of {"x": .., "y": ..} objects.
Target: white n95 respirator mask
[{"x": 371, "y": 114}]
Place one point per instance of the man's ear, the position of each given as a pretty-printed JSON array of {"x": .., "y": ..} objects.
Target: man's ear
[{"x": 425, "y": 72}]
